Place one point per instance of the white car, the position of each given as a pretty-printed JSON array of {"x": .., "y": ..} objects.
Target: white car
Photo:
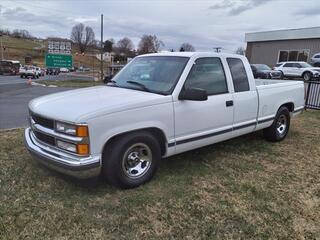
[
  {"x": 298, "y": 69},
  {"x": 38, "y": 72},
  {"x": 315, "y": 60},
  {"x": 28, "y": 71},
  {"x": 64, "y": 70},
  {"x": 157, "y": 106}
]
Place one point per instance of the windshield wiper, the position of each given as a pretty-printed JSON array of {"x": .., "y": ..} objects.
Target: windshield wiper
[
  {"x": 114, "y": 83},
  {"x": 140, "y": 84}
]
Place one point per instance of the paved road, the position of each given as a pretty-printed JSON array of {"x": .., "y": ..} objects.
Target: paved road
[
  {"x": 14, "y": 100},
  {"x": 4, "y": 80}
]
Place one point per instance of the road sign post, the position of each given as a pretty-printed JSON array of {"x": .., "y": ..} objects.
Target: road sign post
[{"x": 59, "y": 60}]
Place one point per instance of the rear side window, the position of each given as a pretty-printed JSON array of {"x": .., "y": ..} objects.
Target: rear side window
[
  {"x": 288, "y": 65},
  {"x": 239, "y": 75}
]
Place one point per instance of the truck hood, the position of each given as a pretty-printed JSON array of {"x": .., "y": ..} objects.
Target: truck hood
[{"x": 82, "y": 104}]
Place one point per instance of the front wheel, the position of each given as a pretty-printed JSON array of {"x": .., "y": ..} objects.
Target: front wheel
[
  {"x": 280, "y": 126},
  {"x": 307, "y": 76},
  {"x": 281, "y": 75},
  {"x": 131, "y": 159}
]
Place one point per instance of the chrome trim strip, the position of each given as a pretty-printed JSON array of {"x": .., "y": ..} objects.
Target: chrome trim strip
[{"x": 60, "y": 136}]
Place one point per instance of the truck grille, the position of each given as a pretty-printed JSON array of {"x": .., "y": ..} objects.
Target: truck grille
[
  {"x": 44, "y": 138},
  {"x": 48, "y": 123}
]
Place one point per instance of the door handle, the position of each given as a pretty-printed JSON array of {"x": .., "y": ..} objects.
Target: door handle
[{"x": 229, "y": 103}]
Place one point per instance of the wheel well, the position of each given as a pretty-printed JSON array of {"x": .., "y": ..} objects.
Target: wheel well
[
  {"x": 289, "y": 105},
  {"x": 158, "y": 133},
  {"x": 307, "y": 72}
]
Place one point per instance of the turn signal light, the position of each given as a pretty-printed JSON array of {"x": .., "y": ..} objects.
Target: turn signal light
[
  {"x": 83, "y": 149},
  {"x": 82, "y": 131}
]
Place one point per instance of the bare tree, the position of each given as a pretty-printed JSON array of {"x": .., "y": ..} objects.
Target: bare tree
[
  {"x": 21, "y": 33},
  {"x": 240, "y": 51},
  {"x": 83, "y": 36},
  {"x": 149, "y": 44},
  {"x": 125, "y": 46},
  {"x": 187, "y": 47}
]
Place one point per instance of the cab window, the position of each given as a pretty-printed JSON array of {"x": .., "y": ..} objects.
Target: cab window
[
  {"x": 239, "y": 75},
  {"x": 207, "y": 74}
]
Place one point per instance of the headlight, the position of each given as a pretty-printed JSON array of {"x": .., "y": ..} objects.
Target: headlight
[{"x": 75, "y": 130}]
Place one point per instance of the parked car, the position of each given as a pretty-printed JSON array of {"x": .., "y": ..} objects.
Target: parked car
[
  {"x": 64, "y": 70},
  {"x": 315, "y": 60},
  {"x": 298, "y": 69},
  {"x": 264, "y": 71},
  {"x": 177, "y": 102},
  {"x": 29, "y": 71},
  {"x": 53, "y": 71},
  {"x": 38, "y": 72}
]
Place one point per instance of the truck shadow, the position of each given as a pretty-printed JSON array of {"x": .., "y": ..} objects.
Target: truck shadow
[{"x": 246, "y": 144}]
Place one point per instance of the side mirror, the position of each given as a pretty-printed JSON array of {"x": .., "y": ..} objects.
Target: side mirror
[
  {"x": 193, "y": 94},
  {"x": 107, "y": 78}
]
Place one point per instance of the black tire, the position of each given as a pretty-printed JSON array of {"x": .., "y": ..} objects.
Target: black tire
[
  {"x": 117, "y": 156},
  {"x": 21, "y": 76},
  {"x": 307, "y": 76},
  {"x": 277, "y": 132},
  {"x": 281, "y": 75}
]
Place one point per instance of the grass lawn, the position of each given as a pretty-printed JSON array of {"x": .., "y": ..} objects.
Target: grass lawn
[
  {"x": 245, "y": 188},
  {"x": 70, "y": 83}
]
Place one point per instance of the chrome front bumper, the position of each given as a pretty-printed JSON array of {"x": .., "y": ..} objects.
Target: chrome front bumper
[{"x": 80, "y": 167}]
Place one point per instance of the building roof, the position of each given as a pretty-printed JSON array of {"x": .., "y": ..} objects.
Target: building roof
[{"x": 287, "y": 34}]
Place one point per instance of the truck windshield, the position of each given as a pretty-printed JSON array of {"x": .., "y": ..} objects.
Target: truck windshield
[{"x": 157, "y": 74}]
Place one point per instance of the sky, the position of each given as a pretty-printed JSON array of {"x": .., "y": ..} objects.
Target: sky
[{"x": 204, "y": 24}]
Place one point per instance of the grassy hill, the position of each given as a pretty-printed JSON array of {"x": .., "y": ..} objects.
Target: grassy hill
[{"x": 19, "y": 48}]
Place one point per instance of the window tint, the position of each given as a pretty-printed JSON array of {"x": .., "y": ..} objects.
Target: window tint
[
  {"x": 239, "y": 75},
  {"x": 317, "y": 56},
  {"x": 288, "y": 65},
  {"x": 253, "y": 68},
  {"x": 207, "y": 74}
]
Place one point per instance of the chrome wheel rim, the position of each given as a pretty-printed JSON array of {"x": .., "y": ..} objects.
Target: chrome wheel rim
[
  {"x": 282, "y": 125},
  {"x": 137, "y": 160}
]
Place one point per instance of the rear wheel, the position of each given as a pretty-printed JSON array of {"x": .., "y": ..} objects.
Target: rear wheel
[
  {"x": 280, "y": 126},
  {"x": 131, "y": 159}
]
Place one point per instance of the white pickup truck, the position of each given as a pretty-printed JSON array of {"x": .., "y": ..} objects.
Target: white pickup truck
[{"x": 157, "y": 106}]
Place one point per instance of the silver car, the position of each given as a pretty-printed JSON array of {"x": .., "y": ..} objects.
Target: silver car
[{"x": 315, "y": 60}]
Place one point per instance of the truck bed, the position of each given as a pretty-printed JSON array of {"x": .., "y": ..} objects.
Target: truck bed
[
  {"x": 267, "y": 82},
  {"x": 271, "y": 93}
]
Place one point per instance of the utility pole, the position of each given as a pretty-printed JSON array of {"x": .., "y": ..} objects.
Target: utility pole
[
  {"x": 218, "y": 49},
  {"x": 101, "y": 50},
  {"x": 1, "y": 46}
]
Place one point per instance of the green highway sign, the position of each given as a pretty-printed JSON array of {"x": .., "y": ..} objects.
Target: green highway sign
[{"x": 58, "y": 60}]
